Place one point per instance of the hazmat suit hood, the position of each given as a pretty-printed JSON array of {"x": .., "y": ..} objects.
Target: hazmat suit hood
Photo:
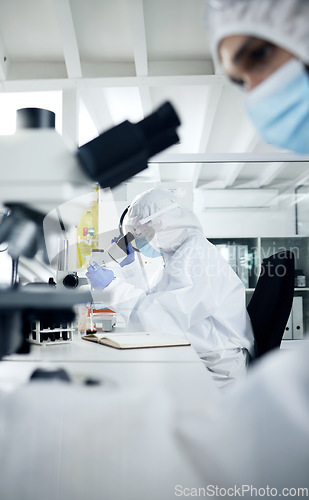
[
  {"x": 282, "y": 22},
  {"x": 158, "y": 215}
]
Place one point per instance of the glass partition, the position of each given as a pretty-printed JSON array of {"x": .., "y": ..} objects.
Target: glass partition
[{"x": 251, "y": 210}]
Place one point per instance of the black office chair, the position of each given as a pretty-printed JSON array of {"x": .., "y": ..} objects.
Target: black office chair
[{"x": 271, "y": 302}]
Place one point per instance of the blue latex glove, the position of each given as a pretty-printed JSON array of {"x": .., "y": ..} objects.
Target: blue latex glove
[
  {"x": 131, "y": 255},
  {"x": 99, "y": 277}
]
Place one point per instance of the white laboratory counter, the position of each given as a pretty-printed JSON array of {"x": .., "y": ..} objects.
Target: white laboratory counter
[
  {"x": 112, "y": 440},
  {"x": 177, "y": 370},
  {"x": 79, "y": 350}
]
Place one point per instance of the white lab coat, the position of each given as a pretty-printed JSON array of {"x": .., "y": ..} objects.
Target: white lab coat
[
  {"x": 71, "y": 442},
  {"x": 196, "y": 294},
  {"x": 259, "y": 434}
]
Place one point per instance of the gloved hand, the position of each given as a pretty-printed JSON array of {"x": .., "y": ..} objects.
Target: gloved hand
[
  {"x": 99, "y": 277},
  {"x": 131, "y": 255}
]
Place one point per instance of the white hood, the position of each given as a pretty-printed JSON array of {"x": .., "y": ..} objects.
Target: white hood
[
  {"x": 159, "y": 210},
  {"x": 283, "y": 22}
]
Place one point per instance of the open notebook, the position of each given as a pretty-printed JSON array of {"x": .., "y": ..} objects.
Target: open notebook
[{"x": 137, "y": 340}]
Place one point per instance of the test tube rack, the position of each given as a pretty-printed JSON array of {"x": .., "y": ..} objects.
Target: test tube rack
[{"x": 51, "y": 336}]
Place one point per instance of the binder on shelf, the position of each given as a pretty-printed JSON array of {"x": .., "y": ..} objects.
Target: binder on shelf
[
  {"x": 298, "y": 320},
  {"x": 242, "y": 264},
  {"x": 237, "y": 256},
  {"x": 229, "y": 253},
  {"x": 288, "y": 332}
]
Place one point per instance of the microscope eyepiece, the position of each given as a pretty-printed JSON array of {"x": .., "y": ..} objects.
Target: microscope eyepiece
[{"x": 124, "y": 150}]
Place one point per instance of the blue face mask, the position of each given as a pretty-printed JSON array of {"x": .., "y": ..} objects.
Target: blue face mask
[
  {"x": 146, "y": 249},
  {"x": 279, "y": 108}
]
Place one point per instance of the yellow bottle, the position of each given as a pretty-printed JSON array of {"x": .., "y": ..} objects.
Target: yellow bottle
[{"x": 87, "y": 234}]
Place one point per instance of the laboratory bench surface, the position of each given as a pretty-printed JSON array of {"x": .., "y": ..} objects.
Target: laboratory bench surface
[
  {"x": 179, "y": 368},
  {"x": 175, "y": 370},
  {"x": 79, "y": 350}
]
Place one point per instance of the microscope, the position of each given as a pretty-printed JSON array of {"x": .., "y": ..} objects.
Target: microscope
[{"x": 39, "y": 173}]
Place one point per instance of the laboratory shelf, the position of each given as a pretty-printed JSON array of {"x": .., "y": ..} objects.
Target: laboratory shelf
[{"x": 246, "y": 254}]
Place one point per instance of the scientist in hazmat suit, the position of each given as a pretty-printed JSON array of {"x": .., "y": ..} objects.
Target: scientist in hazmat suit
[
  {"x": 195, "y": 294},
  {"x": 263, "y": 46},
  {"x": 258, "y": 443}
]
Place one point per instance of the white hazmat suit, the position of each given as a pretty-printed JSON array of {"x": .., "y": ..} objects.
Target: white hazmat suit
[{"x": 196, "y": 294}]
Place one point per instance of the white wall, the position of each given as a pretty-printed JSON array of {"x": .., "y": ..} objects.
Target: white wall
[{"x": 278, "y": 220}]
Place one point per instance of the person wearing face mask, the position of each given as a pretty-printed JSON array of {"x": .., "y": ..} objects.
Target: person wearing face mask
[
  {"x": 195, "y": 294},
  {"x": 258, "y": 442},
  {"x": 263, "y": 46}
]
